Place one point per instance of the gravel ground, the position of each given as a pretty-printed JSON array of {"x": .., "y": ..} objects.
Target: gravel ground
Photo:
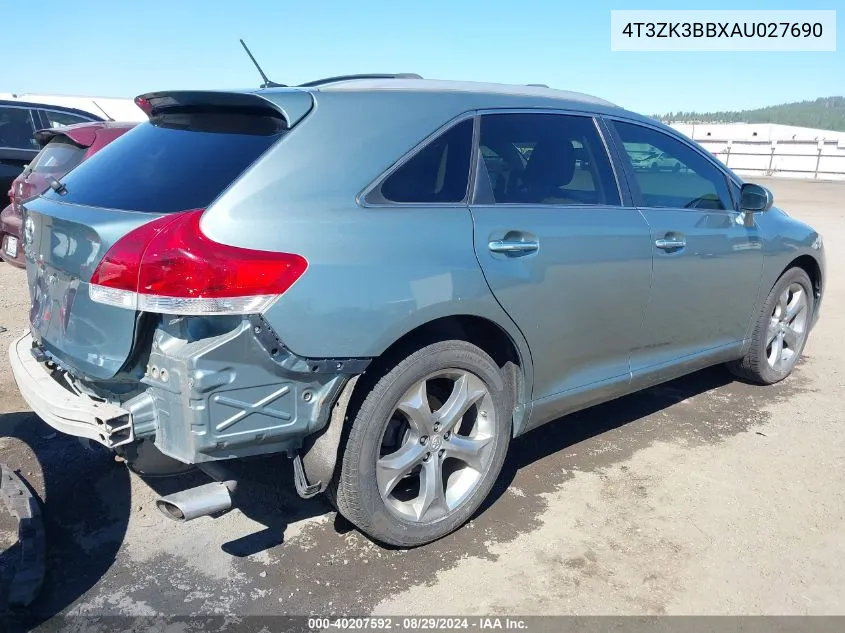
[{"x": 701, "y": 496}]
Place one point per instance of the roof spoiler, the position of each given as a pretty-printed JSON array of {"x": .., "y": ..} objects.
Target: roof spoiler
[
  {"x": 83, "y": 137},
  {"x": 291, "y": 106},
  {"x": 153, "y": 103}
]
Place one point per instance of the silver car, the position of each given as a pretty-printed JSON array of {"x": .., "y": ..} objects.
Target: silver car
[{"x": 386, "y": 280}]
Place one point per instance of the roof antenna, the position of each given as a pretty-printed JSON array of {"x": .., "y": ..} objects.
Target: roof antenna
[
  {"x": 267, "y": 83},
  {"x": 101, "y": 110}
]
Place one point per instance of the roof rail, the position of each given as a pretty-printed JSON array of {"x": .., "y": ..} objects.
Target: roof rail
[
  {"x": 538, "y": 85},
  {"x": 330, "y": 80}
]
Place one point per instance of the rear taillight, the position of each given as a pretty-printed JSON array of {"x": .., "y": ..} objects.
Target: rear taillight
[{"x": 169, "y": 266}]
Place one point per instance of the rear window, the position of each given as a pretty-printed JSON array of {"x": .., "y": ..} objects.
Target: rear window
[
  {"x": 58, "y": 157},
  {"x": 174, "y": 163}
]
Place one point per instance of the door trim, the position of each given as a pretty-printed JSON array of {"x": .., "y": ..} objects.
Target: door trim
[{"x": 658, "y": 373}]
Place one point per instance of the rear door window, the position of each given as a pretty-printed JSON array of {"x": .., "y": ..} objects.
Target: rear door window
[
  {"x": 546, "y": 159},
  {"x": 439, "y": 172},
  {"x": 16, "y": 128},
  {"x": 177, "y": 163}
]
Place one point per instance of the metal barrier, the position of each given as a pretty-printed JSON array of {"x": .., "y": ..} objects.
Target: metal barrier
[{"x": 771, "y": 162}]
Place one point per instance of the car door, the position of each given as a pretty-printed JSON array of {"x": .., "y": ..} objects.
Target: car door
[
  {"x": 707, "y": 263},
  {"x": 568, "y": 261}
]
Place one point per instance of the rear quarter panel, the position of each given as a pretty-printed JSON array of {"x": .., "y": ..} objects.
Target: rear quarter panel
[{"x": 374, "y": 273}]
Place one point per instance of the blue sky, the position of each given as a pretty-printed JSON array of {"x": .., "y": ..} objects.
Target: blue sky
[{"x": 126, "y": 48}]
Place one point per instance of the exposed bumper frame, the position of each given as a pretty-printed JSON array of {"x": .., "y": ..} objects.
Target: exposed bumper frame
[{"x": 70, "y": 413}]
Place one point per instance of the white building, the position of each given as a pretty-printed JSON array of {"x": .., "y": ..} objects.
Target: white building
[{"x": 756, "y": 132}]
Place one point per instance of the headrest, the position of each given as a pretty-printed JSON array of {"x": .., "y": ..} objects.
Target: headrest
[{"x": 552, "y": 164}]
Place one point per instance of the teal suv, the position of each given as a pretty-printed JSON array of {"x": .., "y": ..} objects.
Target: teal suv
[{"x": 387, "y": 279}]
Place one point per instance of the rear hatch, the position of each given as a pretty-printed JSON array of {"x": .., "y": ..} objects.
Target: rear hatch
[{"x": 195, "y": 145}]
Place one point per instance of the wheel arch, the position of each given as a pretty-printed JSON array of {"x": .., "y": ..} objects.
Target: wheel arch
[
  {"x": 812, "y": 267},
  {"x": 774, "y": 270},
  {"x": 751, "y": 365},
  {"x": 492, "y": 337},
  {"x": 321, "y": 451}
]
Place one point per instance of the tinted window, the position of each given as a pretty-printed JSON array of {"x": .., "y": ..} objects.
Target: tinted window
[
  {"x": 55, "y": 119},
  {"x": 58, "y": 158},
  {"x": 546, "y": 159},
  {"x": 671, "y": 174},
  {"x": 169, "y": 166},
  {"x": 439, "y": 172},
  {"x": 16, "y": 128}
]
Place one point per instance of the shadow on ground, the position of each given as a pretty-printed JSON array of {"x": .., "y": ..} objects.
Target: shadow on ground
[
  {"x": 583, "y": 425},
  {"x": 88, "y": 502},
  {"x": 84, "y": 527}
]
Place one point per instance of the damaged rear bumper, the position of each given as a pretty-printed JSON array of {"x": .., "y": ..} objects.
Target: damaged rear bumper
[
  {"x": 66, "y": 411},
  {"x": 209, "y": 389}
]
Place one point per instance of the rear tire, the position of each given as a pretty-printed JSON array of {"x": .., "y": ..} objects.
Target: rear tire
[
  {"x": 426, "y": 445},
  {"x": 780, "y": 332}
]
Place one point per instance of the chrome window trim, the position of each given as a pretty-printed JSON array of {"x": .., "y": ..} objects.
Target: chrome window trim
[
  {"x": 37, "y": 106},
  {"x": 362, "y": 197},
  {"x": 53, "y": 109},
  {"x": 568, "y": 112}
]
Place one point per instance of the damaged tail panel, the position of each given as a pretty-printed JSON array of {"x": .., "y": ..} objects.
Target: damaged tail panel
[
  {"x": 220, "y": 393},
  {"x": 211, "y": 388}
]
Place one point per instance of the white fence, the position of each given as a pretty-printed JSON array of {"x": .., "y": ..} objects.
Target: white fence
[{"x": 814, "y": 160}]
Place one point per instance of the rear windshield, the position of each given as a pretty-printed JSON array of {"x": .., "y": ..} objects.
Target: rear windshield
[
  {"x": 177, "y": 163},
  {"x": 58, "y": 158}
]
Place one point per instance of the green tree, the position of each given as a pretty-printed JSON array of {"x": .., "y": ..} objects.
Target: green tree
[{"x": 825, "y": 113}]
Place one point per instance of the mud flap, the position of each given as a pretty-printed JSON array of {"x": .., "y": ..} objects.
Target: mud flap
[
  {"x": 303, "y": 488},
  {"x": 316, "y": 462}
]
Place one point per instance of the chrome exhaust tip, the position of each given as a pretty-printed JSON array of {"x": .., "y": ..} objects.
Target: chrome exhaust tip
[{"x": 195, "y": 502}]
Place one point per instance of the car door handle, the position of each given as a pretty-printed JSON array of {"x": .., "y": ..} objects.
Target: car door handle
[
  {"x": 513, "y": 246},
  {"x": 670, "y": 243}
]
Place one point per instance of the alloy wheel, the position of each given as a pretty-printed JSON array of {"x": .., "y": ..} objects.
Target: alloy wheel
[
  {"x": 787, "y": 328},
  {"x": 437, "y": 446}
]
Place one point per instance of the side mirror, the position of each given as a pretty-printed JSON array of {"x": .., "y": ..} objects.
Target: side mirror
[{"x": 755, "y": 198}]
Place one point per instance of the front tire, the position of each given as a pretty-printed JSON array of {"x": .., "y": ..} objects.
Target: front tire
[
  {"x": 780, "y": 332},
  {"x": 426, "y": 445}
]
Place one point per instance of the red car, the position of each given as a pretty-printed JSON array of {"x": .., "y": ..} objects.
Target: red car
[{"x": 62, "y": 149}]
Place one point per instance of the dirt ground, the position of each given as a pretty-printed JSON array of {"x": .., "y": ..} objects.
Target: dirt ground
[{"x": 701, "y": 496}]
